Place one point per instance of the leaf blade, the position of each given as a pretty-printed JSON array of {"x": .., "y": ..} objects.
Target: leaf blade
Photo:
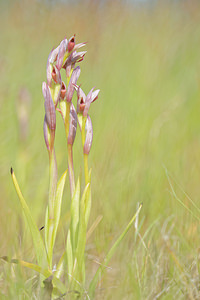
[{"x": 38, "y": 243}]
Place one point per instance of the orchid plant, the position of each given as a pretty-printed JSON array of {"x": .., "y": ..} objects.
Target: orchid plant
[{"x": 58, "y": 95}]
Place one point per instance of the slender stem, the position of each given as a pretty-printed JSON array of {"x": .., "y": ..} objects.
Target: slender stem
[
  {"x": 70, "y": 152},
  {"x": 85, "y": 156},
  {"x": 67, "y": 116},
  {"x": 71, "y": 169}
]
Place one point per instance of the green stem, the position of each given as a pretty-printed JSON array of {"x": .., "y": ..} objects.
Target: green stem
[
  {"x": 71, "y": 169},
  {"x": 70, "y": 152},
  {"x": 85, "y": 156},
  {"x": 67, "y": 116}
]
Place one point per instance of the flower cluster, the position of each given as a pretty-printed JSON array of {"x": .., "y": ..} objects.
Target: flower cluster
[{"x": 58, "y": 94}]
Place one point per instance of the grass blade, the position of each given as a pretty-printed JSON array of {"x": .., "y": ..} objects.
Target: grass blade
[
  {"x": 95, "y": 279},
  {"x": 178, "y": 199}
]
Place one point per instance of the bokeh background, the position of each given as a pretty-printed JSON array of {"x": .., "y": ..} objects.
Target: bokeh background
[{"x": 144, "y": 57}]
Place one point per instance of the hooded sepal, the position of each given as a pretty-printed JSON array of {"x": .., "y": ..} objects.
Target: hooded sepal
[
  {"x": 73, "y": 80},
  {"x": 50, "y": 117},
  {"x": 61, "y": 54},
  {"x": 88, "y": 136},
  {"x": 83, "y": 102},
  {"x": 72, "y": 125}
]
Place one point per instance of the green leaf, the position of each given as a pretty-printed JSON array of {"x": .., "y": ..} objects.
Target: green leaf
[
  {"x": 57, "y": 207},
  {"x": 37, "y": 239},
  {"x": 95, "y": 279},
  {"x": 60, "y": 266},
  {"x": 52, "y": 224},
  {"x": 69, "y": 255}
]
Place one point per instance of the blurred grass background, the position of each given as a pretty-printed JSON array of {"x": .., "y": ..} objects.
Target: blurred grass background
[{"x": 145, "y": 60}]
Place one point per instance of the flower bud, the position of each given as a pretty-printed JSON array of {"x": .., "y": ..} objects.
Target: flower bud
[
  {"x": 88, "y": 136},
  {"x": 72, "y": 125},
  {"x": 46, "y": 134},
  {"x": 88, "y": 101},
  {"x": 53, "y": 55},
  {"x": 73, "y": 80},
  {"x": 95, "y": 95},
  {"x": 51, "y": 59},
  {"x": 49, "y": 107}
]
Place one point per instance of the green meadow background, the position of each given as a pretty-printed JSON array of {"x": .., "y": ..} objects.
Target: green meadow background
[{"x": 145, "y": 59}]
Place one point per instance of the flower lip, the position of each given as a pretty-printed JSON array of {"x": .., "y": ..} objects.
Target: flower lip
[
  {"x": 63, "y": 90},
  {"x": 56, "y": 75},
  {"x": 71, "y": 43}
]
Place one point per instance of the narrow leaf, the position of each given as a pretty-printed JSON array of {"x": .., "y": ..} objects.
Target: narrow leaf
[
  {"x": 69, "y": 254},
  {"x": 57, "y": 207},
  {"x": 60, "y": 266},
  {"x": 37, "y": 239}
]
